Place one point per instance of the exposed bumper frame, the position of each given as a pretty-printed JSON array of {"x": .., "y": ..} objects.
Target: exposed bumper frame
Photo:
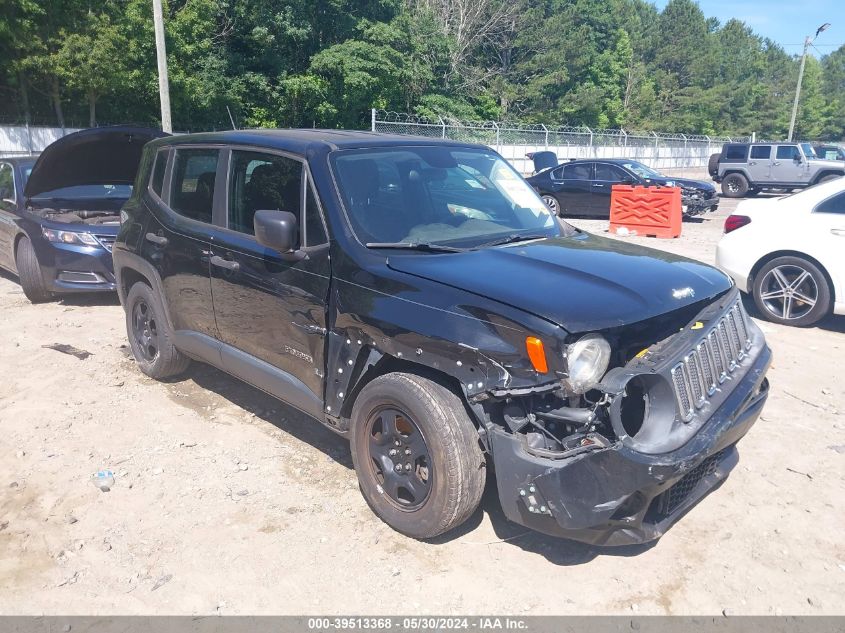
[{"x": 609, "y": 496}]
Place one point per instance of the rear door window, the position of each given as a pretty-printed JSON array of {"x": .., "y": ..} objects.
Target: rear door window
[
  {"x": 578, "y": 171},
  {"x": 192, "y": 188},
  {"x": 836, "y": 204},
  {"x": 761, "y": 152}
]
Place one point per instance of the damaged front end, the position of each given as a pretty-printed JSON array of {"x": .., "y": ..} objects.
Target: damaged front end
[{"x": 619, "y": 464}]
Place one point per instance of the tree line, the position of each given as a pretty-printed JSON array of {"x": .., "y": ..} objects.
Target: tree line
[{"x": 295, "y": 63}]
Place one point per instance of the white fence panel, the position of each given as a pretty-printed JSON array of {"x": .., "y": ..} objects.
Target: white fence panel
[{"x": 28, "y": 139}]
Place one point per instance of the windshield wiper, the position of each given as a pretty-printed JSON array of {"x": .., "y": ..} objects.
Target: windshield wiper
[
  {"x": 510, "y": 239},
  {"x": 416, "y": 246}
]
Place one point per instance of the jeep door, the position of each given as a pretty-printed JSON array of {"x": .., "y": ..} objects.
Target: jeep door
[
  {"x": 176, "y": 239},
  {"x": 788, "y": 165},
  {"x": 760, "y": 164},
  {"x": 271, "y": 311}
]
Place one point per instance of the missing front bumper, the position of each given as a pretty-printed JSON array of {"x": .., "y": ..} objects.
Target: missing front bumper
[{"x": 618, "y": 496}]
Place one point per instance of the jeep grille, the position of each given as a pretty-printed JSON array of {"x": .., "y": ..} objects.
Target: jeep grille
[{"x": 697, "y": 376}]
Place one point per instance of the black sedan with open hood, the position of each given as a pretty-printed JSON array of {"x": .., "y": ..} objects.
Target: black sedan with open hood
[
  {"x": 60, "y": 211},
  {"x": 583, "y": 187}
]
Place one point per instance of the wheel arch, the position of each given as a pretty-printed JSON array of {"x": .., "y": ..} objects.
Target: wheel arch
[
  {"x": 741, "y": 172},
  {"x": 15, "y": 244},
  {"x": 129, "y": 269},
  {"x": 827, "y": 172},
  {"x": 388, "y": 364},
  {"x": 791, "y": 253}
]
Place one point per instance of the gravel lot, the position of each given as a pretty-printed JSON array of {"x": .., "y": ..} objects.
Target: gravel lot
[{"x": 227, "y": 501}]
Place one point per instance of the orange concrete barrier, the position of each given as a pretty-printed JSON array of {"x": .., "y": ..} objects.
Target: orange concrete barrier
[{"x": 650, "y": 211}]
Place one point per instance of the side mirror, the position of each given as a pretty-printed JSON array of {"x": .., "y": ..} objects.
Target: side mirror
[{"x": 276, "y": 230}]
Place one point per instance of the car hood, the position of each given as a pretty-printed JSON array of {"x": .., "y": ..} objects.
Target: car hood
[
  {"x": 823, "y": 162},
  {"x": 582, "y": 283},
  {"x": 98, "y": 156},
  {"x": 683, "y": 182}
]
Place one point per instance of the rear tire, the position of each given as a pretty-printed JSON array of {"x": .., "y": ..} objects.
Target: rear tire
[
  {"x": 713, "y": 164},
  {"x": 552, "y": 203},
  {"x": 734, "y": 186},
  {"x": 399, "y": 417},
  {"x": 828, "y": 178},
  {"x": 150, "y": 337},
  {"x": 29, "y": 273},
  {"x": 808, "y": 301}
]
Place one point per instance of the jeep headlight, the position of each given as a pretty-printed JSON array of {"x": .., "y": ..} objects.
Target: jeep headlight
[
  {"x": 586, "y": 361},
  {"x": 70, "y": 237}
]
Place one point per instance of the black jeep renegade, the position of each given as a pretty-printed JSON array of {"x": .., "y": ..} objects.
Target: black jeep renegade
[{"x": 417, "y": 296}]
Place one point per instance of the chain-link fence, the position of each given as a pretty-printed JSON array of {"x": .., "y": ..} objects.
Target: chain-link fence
[{"x": 514, "y": 141}]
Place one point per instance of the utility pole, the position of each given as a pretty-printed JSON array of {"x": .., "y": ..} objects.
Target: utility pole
[
  {"x": 161, "y": 56},
  {"x": 807, "y": 41}
]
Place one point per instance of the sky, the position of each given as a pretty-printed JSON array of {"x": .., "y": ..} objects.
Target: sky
[{"x": 787, "y": 22}]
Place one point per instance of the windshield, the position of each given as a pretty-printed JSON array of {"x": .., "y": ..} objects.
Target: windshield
[
  {"x": 643, "y": 171},
  {"x": 809, "y": 152},
  {"x": 437, "y": 195},
  {"x": 81, "y": 192}
]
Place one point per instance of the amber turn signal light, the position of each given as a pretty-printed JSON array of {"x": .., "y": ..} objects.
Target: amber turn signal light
[{"x": 536, "y": 354}]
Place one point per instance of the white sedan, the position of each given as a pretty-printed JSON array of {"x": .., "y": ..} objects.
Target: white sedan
[{"x": 789, "y": 253}]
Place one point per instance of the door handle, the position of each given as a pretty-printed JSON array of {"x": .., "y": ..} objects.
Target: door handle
[
  {"x": 752, "y": 163},
  {"x": 840, "y": 232},
  {"x": 156, "y": 239},
  {"x": 776, "y": 163},
  {"x": 228, "y": 264}
]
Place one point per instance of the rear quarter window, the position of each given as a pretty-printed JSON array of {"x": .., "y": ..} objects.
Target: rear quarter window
[
  {"x": 157, "y": 178},
  {"x": 736, "y": 152}
]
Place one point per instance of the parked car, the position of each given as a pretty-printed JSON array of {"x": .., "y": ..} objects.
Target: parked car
[
  {"x": 789, "y": 253},
  {"x": 746, "y": 169},
  {"x": 583, "y": 187},
  {"x": 417, "y": 297},
  {"x": 59, "y": 212},
  {"x": 829, "y": 151}
]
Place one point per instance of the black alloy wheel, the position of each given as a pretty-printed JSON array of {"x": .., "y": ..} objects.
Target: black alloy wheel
[
  {"x": 145, "y": 330},
  {"x": 399, "y": 458}
]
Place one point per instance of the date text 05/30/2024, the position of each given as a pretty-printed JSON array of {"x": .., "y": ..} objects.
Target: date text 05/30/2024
[{"x": 416, "y": 623}]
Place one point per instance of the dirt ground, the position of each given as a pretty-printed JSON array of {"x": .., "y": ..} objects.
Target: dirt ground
[{"x": 226, "y": 501}]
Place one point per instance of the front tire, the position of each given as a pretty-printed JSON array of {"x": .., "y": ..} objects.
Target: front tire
[
  {"x": 792, "y": 291},
  {"x": 149, "y": 335},
  {"x": 734, "y": 186},
  {"x": 29, "y": 273},
  {"x": 417, "y": 455}
]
